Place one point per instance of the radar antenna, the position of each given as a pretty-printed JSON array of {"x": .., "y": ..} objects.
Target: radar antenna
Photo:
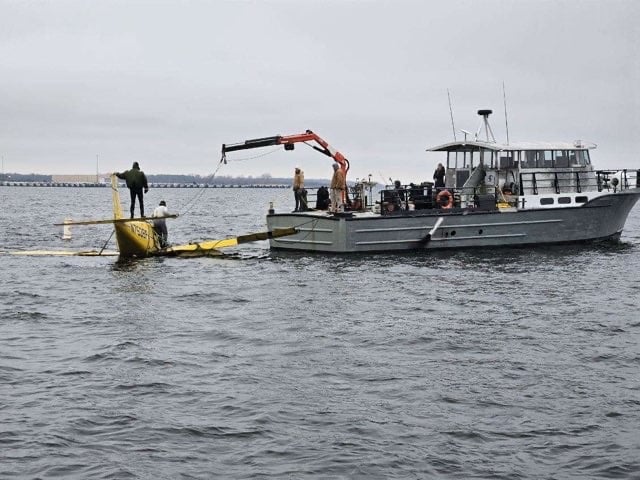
[{"x": 485, "y": 122}]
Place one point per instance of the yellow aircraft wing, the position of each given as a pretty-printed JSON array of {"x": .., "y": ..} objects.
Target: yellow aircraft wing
[
  {"x": 199, "y": 249},
  {"x": 65, "y": 253},
  {"x": 210, "y": 247}
]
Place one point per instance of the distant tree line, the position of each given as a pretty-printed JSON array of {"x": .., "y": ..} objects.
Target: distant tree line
[
  {"x": 264, "y": 179},
  {"x": 228, "y": 180},
  {"x": 22, "y": 177}
]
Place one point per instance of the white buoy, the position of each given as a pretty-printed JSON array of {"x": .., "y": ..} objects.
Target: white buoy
[{"x": 66, "y": 229}]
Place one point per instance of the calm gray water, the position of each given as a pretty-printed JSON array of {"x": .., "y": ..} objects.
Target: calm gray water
[{"x": 511, "y": 363}]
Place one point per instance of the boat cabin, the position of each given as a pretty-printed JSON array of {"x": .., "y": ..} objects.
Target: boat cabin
[
  {"x": 487, "y": 175},
  {"x": 517, "y": 169}
]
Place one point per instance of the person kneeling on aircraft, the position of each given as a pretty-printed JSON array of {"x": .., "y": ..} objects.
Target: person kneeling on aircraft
[{"x": 160, "y": 224}]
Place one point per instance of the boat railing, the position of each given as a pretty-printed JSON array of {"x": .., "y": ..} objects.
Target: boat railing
[
  {"x": 313, "y": 198},
  {"x": 617, "y": 180},
  {"x": 394, "y": 200},
  {"x": 571, "y": 181}
]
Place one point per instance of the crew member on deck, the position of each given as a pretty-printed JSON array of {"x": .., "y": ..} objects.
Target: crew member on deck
[
  {"x": 438, "y": 176},
  {"x": 160, "y": 224},
  {"x": 322, "y": 198},
  {"x": 136, "y": 182},
  {"x": 298, "y": 190},
  {"x": 338, "y": 186},
  {"x": 399, "y": 194}
]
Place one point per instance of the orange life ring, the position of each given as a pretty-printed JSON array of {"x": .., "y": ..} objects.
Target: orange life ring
[{"x": 441, "y": 196}]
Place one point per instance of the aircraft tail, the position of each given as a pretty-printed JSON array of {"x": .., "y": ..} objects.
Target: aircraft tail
[{"x": 115, "y": 195}]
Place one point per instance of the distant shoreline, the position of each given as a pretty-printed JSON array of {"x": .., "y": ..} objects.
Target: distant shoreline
[{"x": 151, "y": 185}]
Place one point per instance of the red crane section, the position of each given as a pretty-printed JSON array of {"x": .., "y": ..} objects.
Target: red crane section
[{"x": 288, "y": 141}]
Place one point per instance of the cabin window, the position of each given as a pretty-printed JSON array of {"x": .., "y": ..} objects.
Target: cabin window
[
  {"x": 572, "y": 158},
  {"x": 485, "y": 158},
  {"x": 533, "y": 159},
  {"x": 529, "y": 159},
  {"x": 452, "y": 159},
  {"x": 506, "y": 160},
  {"x": 561, "y": 159},
  {"x": 564, "y": 200},
  {"x": 581, "y": 199},
  {"x": 546, "y": 201},
  {"x": 469, "y": 160},
  {"x": 494, "y": 159},
  {"x": 583, "y": 157},
  {"x": 460, "y": 160}
]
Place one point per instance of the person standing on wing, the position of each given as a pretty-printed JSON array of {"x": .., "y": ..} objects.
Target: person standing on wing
[
  {"x": 338, "y": 186},
  {"x": 136, "y": 183}
]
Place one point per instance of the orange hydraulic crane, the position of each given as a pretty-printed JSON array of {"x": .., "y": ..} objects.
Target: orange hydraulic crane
[{"x": 288, "y": 142}]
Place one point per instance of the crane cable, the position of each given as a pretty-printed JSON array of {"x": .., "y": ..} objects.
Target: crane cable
[
  {"x": 200, "y": 193},
  {"x": 222, "y": 161},
  {"x": 224, "y": 158},
  {"x": 107, "y": 242}
]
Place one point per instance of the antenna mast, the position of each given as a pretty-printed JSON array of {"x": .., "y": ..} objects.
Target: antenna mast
[
  {"x": 506, "y": 121},
  {"x": 487, "y": 128},
  {"x": 451, "y": 112}
]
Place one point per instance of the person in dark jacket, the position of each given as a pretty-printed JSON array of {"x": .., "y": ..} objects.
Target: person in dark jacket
[
  {"x": 439, "y": 175},
  {"x": 136, "y": 183},
  {"x": 322, "y": 198}
]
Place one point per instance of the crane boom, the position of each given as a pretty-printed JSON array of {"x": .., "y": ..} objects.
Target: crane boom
[{"x": 288, "y": 141}]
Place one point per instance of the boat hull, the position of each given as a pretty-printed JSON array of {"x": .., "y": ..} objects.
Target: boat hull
[{"x": 600, "y": 219}]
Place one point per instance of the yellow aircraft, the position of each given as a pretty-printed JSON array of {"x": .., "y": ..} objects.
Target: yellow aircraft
[{"x": 137, "y": 238}]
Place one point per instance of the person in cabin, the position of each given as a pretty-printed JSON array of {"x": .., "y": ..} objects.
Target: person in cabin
[
  {"x": 160, "y": 224},
  {"x": 136, "y": 183},
  {"x": 438, "y": 176},
  {"x": 298, "y": 189},
  {"x": 338, "y": 186}
]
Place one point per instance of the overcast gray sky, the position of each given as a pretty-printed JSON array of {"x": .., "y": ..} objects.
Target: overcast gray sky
[{"x": 166, "y": 83}]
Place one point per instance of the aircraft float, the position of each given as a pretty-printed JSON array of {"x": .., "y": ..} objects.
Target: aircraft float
[{"x": 136, "y": 237}]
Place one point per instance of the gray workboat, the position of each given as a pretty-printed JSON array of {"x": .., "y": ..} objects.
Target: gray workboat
[{"x": 494, "y": 195}]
